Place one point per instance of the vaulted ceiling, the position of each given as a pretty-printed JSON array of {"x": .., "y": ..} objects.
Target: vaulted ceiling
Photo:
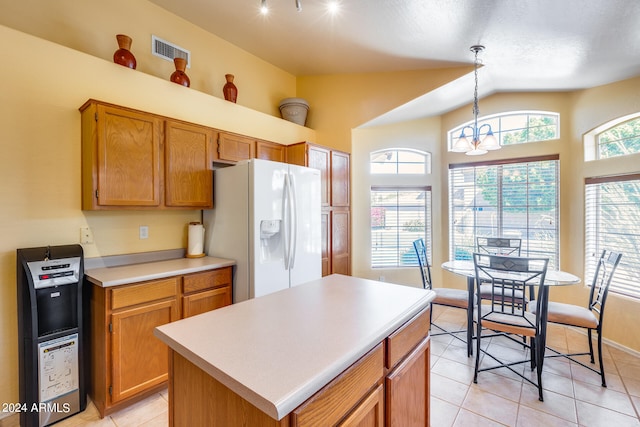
[{"x": 531, "y": 45}]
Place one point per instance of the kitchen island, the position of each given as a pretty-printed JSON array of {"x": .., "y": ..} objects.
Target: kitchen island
[{"x": 335, "y": 350}]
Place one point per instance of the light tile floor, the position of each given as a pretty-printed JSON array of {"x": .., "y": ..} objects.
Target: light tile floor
[{"x": 573, "y": 395}]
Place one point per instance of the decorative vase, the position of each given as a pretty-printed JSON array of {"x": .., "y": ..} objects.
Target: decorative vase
[
  {"x": 179, "y": 76},
  {"x": 123, "y": 56},
  {"x": 230, "y": 90}
]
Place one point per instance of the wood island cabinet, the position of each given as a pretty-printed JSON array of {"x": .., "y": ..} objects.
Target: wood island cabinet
[
  {"x": 388, "y": 386},
  {"x": 137, "y": 160},
  {"x": 128, "y": 362},
  {"x": 335, "y": 195}
]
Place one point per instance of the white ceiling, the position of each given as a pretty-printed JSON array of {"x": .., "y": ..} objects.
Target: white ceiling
[{"x": 531, "y": 45}]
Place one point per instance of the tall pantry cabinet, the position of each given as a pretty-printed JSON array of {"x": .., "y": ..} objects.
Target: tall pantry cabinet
[{"x": 335, "y": 195}]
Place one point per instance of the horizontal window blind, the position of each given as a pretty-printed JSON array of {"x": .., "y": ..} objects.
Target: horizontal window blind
[
  {"x": 505, "y": 199},
  {"x": 612, "y": 209},
  {"x": 399, "y": 215}
]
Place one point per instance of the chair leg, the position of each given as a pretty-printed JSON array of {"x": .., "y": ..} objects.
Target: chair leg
[
  {"x": 604, "y": 382},
  {"x": 478, "y": 334},
  {"x": 591, "y": 345},
  {"x": 538, "y": 355}
]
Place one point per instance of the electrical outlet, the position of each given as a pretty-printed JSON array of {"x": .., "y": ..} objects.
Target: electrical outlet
[
  {"x": 144, "y": 232},
  {"x": 86, "y": 235},
  {"x": 381, "y": 278}
]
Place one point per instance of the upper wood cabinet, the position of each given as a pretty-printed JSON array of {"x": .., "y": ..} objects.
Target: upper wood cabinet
[
  {"x": 137, "y": 160},
  {"x": 120, "y": 157},
  {"x": 234, "y": 148},
  {"x": 270, "y": 151},
  {"x": 187, "y": 169}
]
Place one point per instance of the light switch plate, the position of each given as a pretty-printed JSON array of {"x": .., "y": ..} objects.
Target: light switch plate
[{"x": 144, "y": 232}]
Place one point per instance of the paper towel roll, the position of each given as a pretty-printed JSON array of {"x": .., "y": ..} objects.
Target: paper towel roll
[{"x": 195, "y": 239}]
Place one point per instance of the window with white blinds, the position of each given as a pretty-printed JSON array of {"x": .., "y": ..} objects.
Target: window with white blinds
[
  {"x": 515, "y": 198},
  {"x": 612, "y": 209},
  {"x": 399, "y": 215}
]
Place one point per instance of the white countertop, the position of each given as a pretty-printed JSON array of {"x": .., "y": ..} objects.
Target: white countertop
[
  {"x": 276, "y": 351},
  {"x": 112, "y": 276}
]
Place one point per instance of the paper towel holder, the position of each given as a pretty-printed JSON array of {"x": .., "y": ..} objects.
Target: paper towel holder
[{"x": 200, "y": 243}]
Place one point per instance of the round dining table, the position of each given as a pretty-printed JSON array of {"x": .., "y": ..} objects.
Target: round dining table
[{"x": 466, "y": 268}]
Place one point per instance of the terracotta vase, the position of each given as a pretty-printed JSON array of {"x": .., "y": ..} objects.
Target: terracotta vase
[
  {"x": 179, "y": 76},
  {"x": 123, "y": 56},
  {"x": 230, "y": 90}
]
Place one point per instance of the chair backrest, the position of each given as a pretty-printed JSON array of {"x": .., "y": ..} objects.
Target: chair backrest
[
  {"x": 507, "y": 276},
  {"x": 423, "y": 263},
  {"x": 607, "y": 265},
  {"x": 499, "y": 246}
]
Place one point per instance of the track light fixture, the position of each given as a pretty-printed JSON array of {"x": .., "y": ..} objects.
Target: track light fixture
[{"x": 264, "y": 8}]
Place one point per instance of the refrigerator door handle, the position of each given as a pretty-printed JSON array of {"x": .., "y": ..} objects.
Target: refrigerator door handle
[
  {"x": 293, "y": 222},
  {"x": 286, "y": 220}
]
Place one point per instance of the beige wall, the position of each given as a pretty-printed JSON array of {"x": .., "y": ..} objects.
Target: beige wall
[
  {"x": 580, "y": 112},
  {"x": 44, "y": 83},
  {"x": 41, "y": 92}
]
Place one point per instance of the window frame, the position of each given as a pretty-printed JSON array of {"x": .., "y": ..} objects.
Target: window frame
[
  {"x": 459, "y": 251},
  {"x": 628, "y": 272},
  {"x": 426, "y": 234},
  {"x": 499, "y": 132},
  {"x": 426, "y": 162}
]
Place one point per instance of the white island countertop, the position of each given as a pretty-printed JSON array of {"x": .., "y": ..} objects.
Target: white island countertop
[
  {"x": 125, "y": 274},
  {"x": 276, "y": 351}
]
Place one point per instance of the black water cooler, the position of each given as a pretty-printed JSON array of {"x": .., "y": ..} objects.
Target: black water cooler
[{"x": 51, "y": 334}]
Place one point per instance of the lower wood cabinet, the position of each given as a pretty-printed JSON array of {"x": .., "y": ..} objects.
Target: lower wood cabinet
[
  {"x": 128, "y": 362},
  {"x": 389, "y": 386}
]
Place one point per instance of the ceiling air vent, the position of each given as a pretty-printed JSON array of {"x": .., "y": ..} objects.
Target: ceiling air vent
[{"x": 168, "y": 51}]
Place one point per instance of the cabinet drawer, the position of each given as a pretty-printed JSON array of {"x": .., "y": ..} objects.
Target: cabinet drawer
[
  {"x": 402, "y": 341},
  {"x": 144, "y": 292},
  {"x": 206, "y": 280},
  {"x": 340, "y": 396}
]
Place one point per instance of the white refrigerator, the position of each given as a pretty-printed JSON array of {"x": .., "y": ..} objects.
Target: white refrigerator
[{"x": 266, "y": 217}]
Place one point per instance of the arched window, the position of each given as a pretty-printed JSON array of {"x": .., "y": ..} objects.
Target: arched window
[
  {"x": 400, "y": 207},
  {"x": 619, "y": 140},
  {"x": 400, "y": 161},
  {"x": 515, "y": 127}
]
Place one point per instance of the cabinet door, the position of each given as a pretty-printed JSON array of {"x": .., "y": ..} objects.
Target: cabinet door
[
  {"x": 319, "y": 158},
  {"x": 407, "y": 390},
  {"x": 202, "y": 302},
  {"x": 234, "y": 148},
  {"x": 139, "y": 359},
  {"x": 369, "y": 413},
  {"x": 188, "y": 174},
  {"x": 325, "y": 221},
  {"x": 339, "y": 179},
  {"x": 340, "y": 241},
  {"x": 270, "y": 151},
  {"x": 128, "y": 158}
]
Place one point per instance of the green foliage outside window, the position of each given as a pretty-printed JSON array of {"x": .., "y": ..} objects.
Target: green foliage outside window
[{"x": 620, "y": 140}]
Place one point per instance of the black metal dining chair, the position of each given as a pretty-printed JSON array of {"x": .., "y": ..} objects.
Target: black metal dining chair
[
  {"x": 501, "y": 246},
  {"x": 590, "y": 317},
  {"x": 448, "y": 297},
  {"x": 505, "y": 276}
]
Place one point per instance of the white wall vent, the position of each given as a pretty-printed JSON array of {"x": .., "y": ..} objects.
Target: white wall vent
[{"x": 168, "y": 50}]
